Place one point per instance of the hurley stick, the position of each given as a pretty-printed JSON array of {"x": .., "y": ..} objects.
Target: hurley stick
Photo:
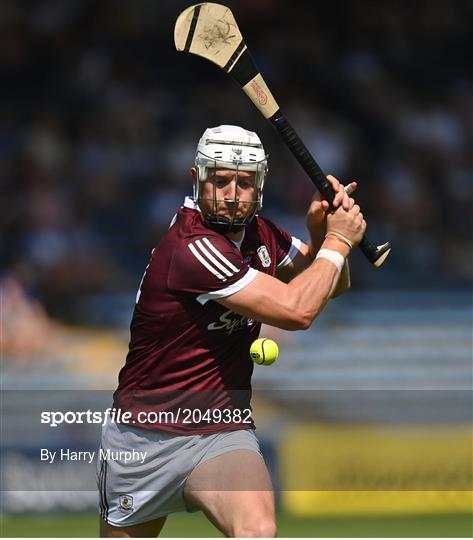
[{"x": 210, "y": 30}]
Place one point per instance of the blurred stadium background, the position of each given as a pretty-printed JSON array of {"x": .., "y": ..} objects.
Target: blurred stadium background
[{"x": 366, "y": 418}]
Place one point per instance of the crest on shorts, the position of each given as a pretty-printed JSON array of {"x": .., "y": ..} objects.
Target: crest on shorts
[
  {"x": 264, "y": 256},
  {"x": 126, "y": 503}
]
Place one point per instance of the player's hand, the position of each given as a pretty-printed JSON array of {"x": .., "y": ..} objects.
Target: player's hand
[
  {"x": 350, "y": 223},
  {"x": 318, "y": 209},
  {"x": 342, "y": 193},
  {"x": 317, "y": 213}
]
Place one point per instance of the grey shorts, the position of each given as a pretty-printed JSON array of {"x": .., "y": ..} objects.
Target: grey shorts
[{"x": 141, "y": 474}]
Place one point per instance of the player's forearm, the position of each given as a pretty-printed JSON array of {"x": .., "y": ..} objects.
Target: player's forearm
[
  {"x": 344, "y": 281},
  {"x": 291, "y": 306},
  {"x": 311, "y": 290}
]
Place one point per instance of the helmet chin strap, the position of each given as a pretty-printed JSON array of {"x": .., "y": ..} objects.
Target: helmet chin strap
[{"x": 223, "y": 224}]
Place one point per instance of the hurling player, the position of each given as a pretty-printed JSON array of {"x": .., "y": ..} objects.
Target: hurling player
[{"x": 218, "y": 273}]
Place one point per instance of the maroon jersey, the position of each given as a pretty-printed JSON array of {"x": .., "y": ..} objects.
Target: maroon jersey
[{"x": 189, "y": 355}]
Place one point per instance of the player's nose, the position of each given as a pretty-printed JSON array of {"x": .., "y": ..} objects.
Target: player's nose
[{"x": 231, "y": 188}]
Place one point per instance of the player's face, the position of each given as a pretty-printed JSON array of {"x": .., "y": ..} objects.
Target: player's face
[{"x": 229, "y": 193}]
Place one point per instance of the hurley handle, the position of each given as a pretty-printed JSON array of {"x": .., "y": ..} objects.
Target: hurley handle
[{"x": 375, "y": 254}]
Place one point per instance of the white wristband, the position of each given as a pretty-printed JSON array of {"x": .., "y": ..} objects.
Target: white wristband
[{"x": 333, "y": 256}]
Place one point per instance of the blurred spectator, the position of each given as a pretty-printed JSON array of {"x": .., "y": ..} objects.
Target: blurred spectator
[{"x": 26, "y": 330}]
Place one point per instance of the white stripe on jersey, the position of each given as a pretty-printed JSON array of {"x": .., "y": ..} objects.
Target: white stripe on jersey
[
  {"x": 212, "y": 259},
  {"x": 210, "y": 268},
  {"x": 231, "y": 289},
  {"x": 220, "y": 256},
  {"x": 202, "y": 254}
]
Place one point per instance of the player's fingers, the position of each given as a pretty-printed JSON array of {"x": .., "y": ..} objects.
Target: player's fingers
[
  {"x": 336, "y": 188},
  {"x": 333, "y": 181},
  {"x": 350, "y": 188},
  {"x": 356, "y": 209},
  {"x": 315, "y": 205},
  {"x": 339, "y": 195},
  {"x": 325, "y": 205},
  {"x": 346, "y": 201}
]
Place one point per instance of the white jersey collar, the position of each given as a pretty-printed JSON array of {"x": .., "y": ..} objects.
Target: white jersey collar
[{"x": 190, "y": 203}]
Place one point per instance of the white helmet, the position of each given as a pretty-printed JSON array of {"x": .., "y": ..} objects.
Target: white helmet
[{"x": 231, "y": 147}]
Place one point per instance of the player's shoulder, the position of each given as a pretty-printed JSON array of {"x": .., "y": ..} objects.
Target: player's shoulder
[
  {"x": 187, "y": 223},
  {"x": 202, "y": 260},
  {"x": 263, "y": 221},
  {"x": 192, "y": 240},
  {"x": 209, "y": 243}
]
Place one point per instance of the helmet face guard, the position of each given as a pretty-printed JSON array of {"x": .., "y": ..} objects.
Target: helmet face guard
[
  {"x": 206, "y": 168},
  {"x": 230, "y": 148}
]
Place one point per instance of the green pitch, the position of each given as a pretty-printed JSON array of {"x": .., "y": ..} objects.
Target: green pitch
[{"x": 195, "y": 525}]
